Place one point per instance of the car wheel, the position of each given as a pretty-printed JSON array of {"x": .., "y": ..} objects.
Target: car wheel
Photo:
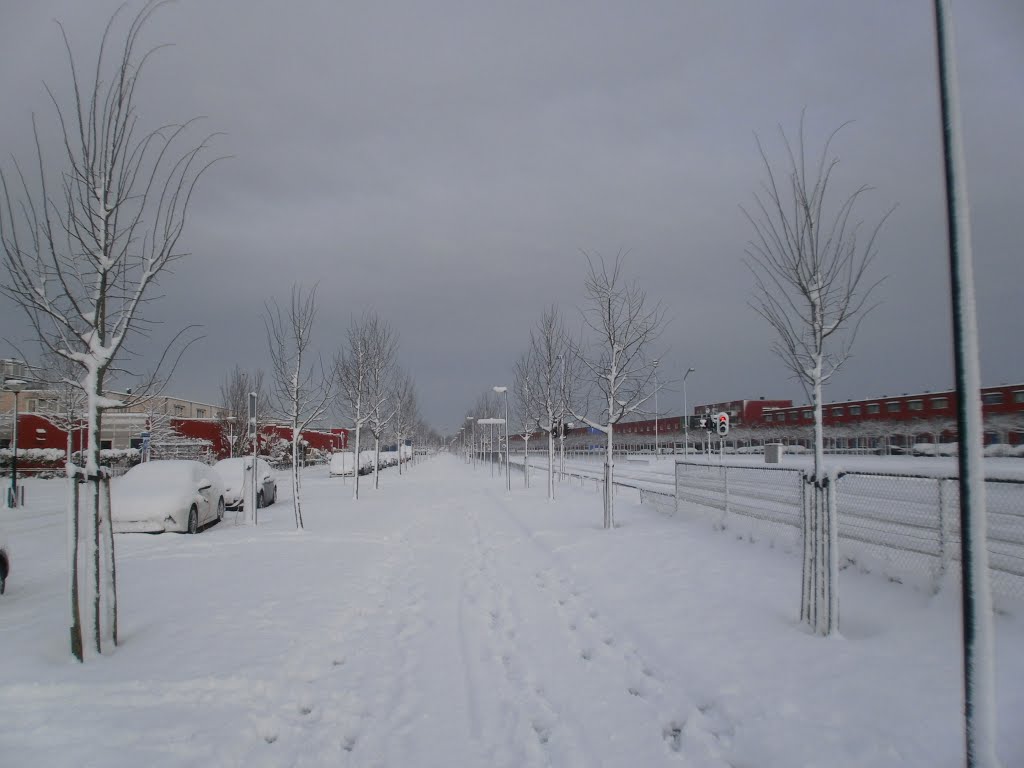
[
  {"x": 220, "y": 509},
  {"x": 259, "y": 500},
  {"x": 193, "y": 519}
]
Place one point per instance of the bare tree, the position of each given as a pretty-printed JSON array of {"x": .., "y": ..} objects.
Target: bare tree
[
  {"x": 66, "y": 400},
  {"x": 357, "y": 372},
  {"x": 85, "y": 244},
  {"x": 300, "y": 388},
  {"x": 617, "y": 367},
  {"x": 382, "y": 346},
  {"x": 550, "y": 366},
  {"x": 234, "y": 400},
  {"x": 812, "y": 286},
  {"x": 523, "y": 409},
  {"x": 406, "y": 411}
]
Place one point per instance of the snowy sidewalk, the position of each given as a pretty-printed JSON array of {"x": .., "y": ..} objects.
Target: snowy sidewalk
[{"x": 440, "y": 622}]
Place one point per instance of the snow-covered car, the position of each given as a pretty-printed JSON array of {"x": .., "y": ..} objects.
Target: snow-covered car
[
  {"x": 343, "y": 464},
  {"x": 232, "y": 473},
  {"x": 170, "y": 495},
  {"x": 366, "y": 459}
]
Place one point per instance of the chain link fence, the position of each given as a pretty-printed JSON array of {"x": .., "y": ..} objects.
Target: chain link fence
[{"x": 907, "y": 526}]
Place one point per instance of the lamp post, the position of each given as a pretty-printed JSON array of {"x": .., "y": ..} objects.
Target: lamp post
[
  {"x": 472, "y": 441},
  {"x": 508, "y": 471},
  {"x": 15, "y": 386},
  {"x": 231, "y": 436},
  {"x": 656, "y": 451},
  {"x": 686, "y": 417}
]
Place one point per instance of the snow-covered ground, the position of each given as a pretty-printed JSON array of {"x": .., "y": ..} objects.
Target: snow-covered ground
[{"x": 439, "y": 622}]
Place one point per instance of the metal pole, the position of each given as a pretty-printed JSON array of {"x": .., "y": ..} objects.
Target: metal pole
[
  {"x": 14, "y": 455},
  {"x": 561, "y": 422},
  {"x": 655, "y": 408},
  {"x": 686, "y": 418},
  {"x": 976, "y": 604},
  {"x": 508, "y": 468}
]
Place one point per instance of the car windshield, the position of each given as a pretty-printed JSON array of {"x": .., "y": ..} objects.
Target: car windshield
[{"x": 159, "y": 473}]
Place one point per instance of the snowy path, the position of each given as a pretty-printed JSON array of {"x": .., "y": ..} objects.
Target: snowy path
[{"x": 440, "y": 622}]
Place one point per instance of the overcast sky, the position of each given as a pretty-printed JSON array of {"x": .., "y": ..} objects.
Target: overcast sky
[{"x": 444, "y": 163}]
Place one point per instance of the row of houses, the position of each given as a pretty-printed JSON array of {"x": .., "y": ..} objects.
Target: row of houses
[{"x": 175, "y": 425}]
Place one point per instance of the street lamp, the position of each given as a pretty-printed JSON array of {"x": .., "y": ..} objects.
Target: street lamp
[
  {"x": 656, "y": 409},
  {"x": 686, "y": 417},
  {"x": 508, "y": 471},
  {"x": 231, "y": 436},
  {"x": 472, "y": 441},
  {"x": 15, "y": 386}
]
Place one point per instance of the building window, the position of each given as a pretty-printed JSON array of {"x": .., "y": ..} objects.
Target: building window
[
  {"x": 893, "y": 406},
  {"x": 940, "y": 403},
  {"x": 769, "y": 417},
  {"x": 855, "y": 410},
  {"x": 808, "y": 414},
  {"x": 200, "y": 413},
  {"x": 916, "y": 405},
  {"x": 1018, "y": 396},
  {"x": 792, "y": 415},
  {"x": 992, "y": 398},
  {"x": 179, "y": 410},
  {"x": 872, "y": 407},
  {"x": 837, "y": 411}
]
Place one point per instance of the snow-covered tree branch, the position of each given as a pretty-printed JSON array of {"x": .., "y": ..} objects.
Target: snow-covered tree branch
[
  {"x": 300, "y": 387},
  {"x": 812, "y": 285},
  {"x": 85, "y": 240}
]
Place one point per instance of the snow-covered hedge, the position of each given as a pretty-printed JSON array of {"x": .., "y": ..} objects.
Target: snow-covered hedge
[
  {"x": 933, "y": 449},
  {"x": 55, "y": 458},
  {"x": 1002, "y": 449}
]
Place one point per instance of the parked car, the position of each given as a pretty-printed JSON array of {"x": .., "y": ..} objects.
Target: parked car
[
  {"x": 343, "y": 464},
  {"x": 232, "y": 473},
  {"x": 171, "y": 495}
]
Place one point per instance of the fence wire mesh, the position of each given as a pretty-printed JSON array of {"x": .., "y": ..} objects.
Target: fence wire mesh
[{"x": 907, "y": 526}]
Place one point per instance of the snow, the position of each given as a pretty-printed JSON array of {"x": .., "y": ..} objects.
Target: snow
[{"x": 439, "y": 621}]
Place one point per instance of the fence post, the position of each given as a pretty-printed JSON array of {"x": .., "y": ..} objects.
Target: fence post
[
  {"x": 725, "y": 480},
  {"x": 945, "y": 535},
  {"x": 675, "y": 497}
]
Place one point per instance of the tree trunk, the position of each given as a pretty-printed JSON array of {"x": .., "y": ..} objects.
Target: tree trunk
[
  {"x": 73, "y": 545},
  {"x": 609, "y": 498},
  {"x": 296, "y": 491},
  {"x": 356, "y": 467},
  {"x": 551, "y": 466},
  {"x": 376, "y": 461},
  {"x": 109, "y": 562}
]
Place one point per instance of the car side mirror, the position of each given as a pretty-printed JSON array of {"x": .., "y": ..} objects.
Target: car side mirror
[{"x": 205, "y": 485}]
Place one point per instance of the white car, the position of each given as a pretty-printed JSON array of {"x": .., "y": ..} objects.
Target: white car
[
  {"x": 166, "y": 496},
  {"x": 232, "y": 473},
  {"x": 343, "y": 464}
]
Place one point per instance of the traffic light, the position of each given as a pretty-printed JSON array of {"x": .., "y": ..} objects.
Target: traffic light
[{"x": 722, "y": 422}]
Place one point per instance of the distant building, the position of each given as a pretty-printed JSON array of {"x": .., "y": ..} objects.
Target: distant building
[
  {"x": 182, "y": 421},
  {"x": 904, "y": 416}
]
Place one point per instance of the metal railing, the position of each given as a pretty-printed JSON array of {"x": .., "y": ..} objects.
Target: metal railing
[{"x": 907, "y": 523}]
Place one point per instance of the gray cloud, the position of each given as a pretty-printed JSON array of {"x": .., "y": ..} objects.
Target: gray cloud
[{"x": 445, "y": 163}]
